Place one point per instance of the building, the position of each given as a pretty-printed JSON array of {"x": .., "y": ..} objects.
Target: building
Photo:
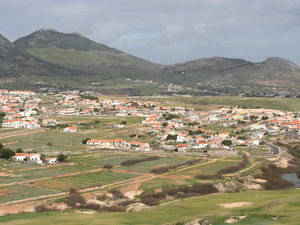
[{"x": 70, "y": 129}]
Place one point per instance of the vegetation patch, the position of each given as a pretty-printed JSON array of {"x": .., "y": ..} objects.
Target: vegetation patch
[{"x": 136, "y": 161}]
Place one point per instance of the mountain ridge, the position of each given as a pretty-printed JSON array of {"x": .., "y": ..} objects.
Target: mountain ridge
[{"x": 78, "y": 61}]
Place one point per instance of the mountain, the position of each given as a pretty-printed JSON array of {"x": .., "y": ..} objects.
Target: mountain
[
  {"x": 218, "y": 71},
  {"x": 284, "y": 63},
  {"x": 48, "y": 58},
  {"x": 49, "y": 38},
  {"x": 74, "y": 51},
  {"x": 20, "y": 69}
]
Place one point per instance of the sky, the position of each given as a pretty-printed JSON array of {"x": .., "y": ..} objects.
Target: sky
[{"x": 167, "y": 31}]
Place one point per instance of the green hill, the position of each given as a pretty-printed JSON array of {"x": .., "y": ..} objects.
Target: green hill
[
  {"x": 98, "y": 63},
  {"x": 71, "y": 61},
  {"x": 219, "y": 71},
  {"x": 21, "y": 70}
]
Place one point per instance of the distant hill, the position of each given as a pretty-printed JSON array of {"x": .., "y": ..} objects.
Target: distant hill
[
  {"x": 237, "y": 72},
  {"x": 72, "y": 61},
  {"x": 49, "y": 38}
]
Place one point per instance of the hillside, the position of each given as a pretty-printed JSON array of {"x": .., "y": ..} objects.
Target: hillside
[
  {"x": 21, "y": 70},
  {"x": 75, "y": 51},
  {"x": 52, "y": 58},
  {"x": 219, "y": 71}
]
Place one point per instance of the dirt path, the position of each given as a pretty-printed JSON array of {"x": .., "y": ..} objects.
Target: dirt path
[
  {"x": 21, "y": 133},
  {"x": 199, "y": 164},
  {"x": 242, "y": 171}
]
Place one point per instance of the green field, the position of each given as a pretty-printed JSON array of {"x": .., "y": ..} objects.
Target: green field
[
  {"x": 82, "y": 180},
  {"x": 263, "y": 204},
  {"x": 208, "y": 169},
  {"x": 288, "y": 104},
  {"x": 17, "y": 192}
]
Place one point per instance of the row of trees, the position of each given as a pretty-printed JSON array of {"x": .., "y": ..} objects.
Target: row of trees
[{"x": 136, "y": 161}]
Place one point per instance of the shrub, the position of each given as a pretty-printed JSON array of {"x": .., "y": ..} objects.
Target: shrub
[
  {"x": 62, "y": 158},
  {"x": 43, "y": 208},
  {"x": 6, "y": 153},
  {"x": 232, "y": 169},
  {"x": 152, "y": 199},
  {"x": 108, "y": 166},
  {"x": 75, "y": 199},
  {"x": 273, "y": 175},
  {"x": 136, "y": 161},
  {"x": 117, "y": 194},
  {"x": 212, "y": 176}
]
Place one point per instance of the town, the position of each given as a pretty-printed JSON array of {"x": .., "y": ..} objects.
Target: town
[
  {"x": 125, "y": 153},
  {"x": 221, "y": 130}
]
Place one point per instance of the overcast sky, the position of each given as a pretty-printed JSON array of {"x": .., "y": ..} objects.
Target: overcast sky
[{"x": 167, "y": 31}]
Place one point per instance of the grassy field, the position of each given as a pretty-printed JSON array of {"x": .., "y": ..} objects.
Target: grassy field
[
  {"x": 82, "y": 180},
  {"x": 17, "y": 192},
  {"x": 288, "y": 104},
  {"x": 263, "y": 204},
  {"x": 210, "y": 168}
]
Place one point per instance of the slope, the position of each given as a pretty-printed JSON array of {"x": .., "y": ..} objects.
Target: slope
[
  {"x": 75, "y": 51},
  {"x": 219, "y": 71},
  {"x": 21, "y": 70}
]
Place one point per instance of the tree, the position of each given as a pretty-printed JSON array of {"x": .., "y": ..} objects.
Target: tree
[
  {"x": 19, "y": 150},
  {"x": 227, "y": 142},
  {"x": 124, "y": 122},
  {"x": 164, "y": 124},
  {"x": 84, "y": 141},
  {"x": 43, "y": 158},
  {"x": 108, "y": 166},
  {"x": 62, "y": 158},
  {"x": 1, "y": 146},
  {"x": 172, "y": 137},
  {"x": 6, "y": 153}
]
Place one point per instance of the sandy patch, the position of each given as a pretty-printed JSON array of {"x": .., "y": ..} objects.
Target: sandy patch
[
  {"x": 4, "y": 192},
  {"x": 4, "y": 174},
  {"x": 260, "y": 181},
  {"x": 235, "y": 204}
]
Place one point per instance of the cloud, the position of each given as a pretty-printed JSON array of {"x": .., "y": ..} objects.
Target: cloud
[{"x": 167, "y": 31}]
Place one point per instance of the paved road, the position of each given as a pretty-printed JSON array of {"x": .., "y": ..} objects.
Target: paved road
[{"x": 274, "y": 149}]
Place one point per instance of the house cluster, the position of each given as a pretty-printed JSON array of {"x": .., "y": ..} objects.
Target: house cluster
[
  {"x": 172, "y": 127},
  {"x": 118, "y": 144},
  {"x": 19, "y": 109},
  {"x": 34, "y": 158}
]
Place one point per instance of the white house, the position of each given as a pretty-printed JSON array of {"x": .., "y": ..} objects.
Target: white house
[
  {"x": 257, "y": 127},
  {"x": 33, "y": 156},
  {"x": 70, "y": 129},
  {"x": 19, "y": 157},
  {"x": 51, "y": 160}
]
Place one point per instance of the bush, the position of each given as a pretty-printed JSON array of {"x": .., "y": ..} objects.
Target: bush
[
  {"x": 43, "y": 208},
  {"x": 136, "y": 161},
  {"x": 205, "y": 176},
  {"x": 75, "y": 199},
  {"x": 84, "y": 141},
  {"x": 152, "y": 199},
  {"x": 62, "y": 158},
  {"x": 108, "y": 166},
  {"x": 117, "y": 194},
  {"x": 6, "y": 153},
  {"x": 273, "y": 175},
  {"x": 19, "y": 150},
  {"x": 232, "y": 169}
]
